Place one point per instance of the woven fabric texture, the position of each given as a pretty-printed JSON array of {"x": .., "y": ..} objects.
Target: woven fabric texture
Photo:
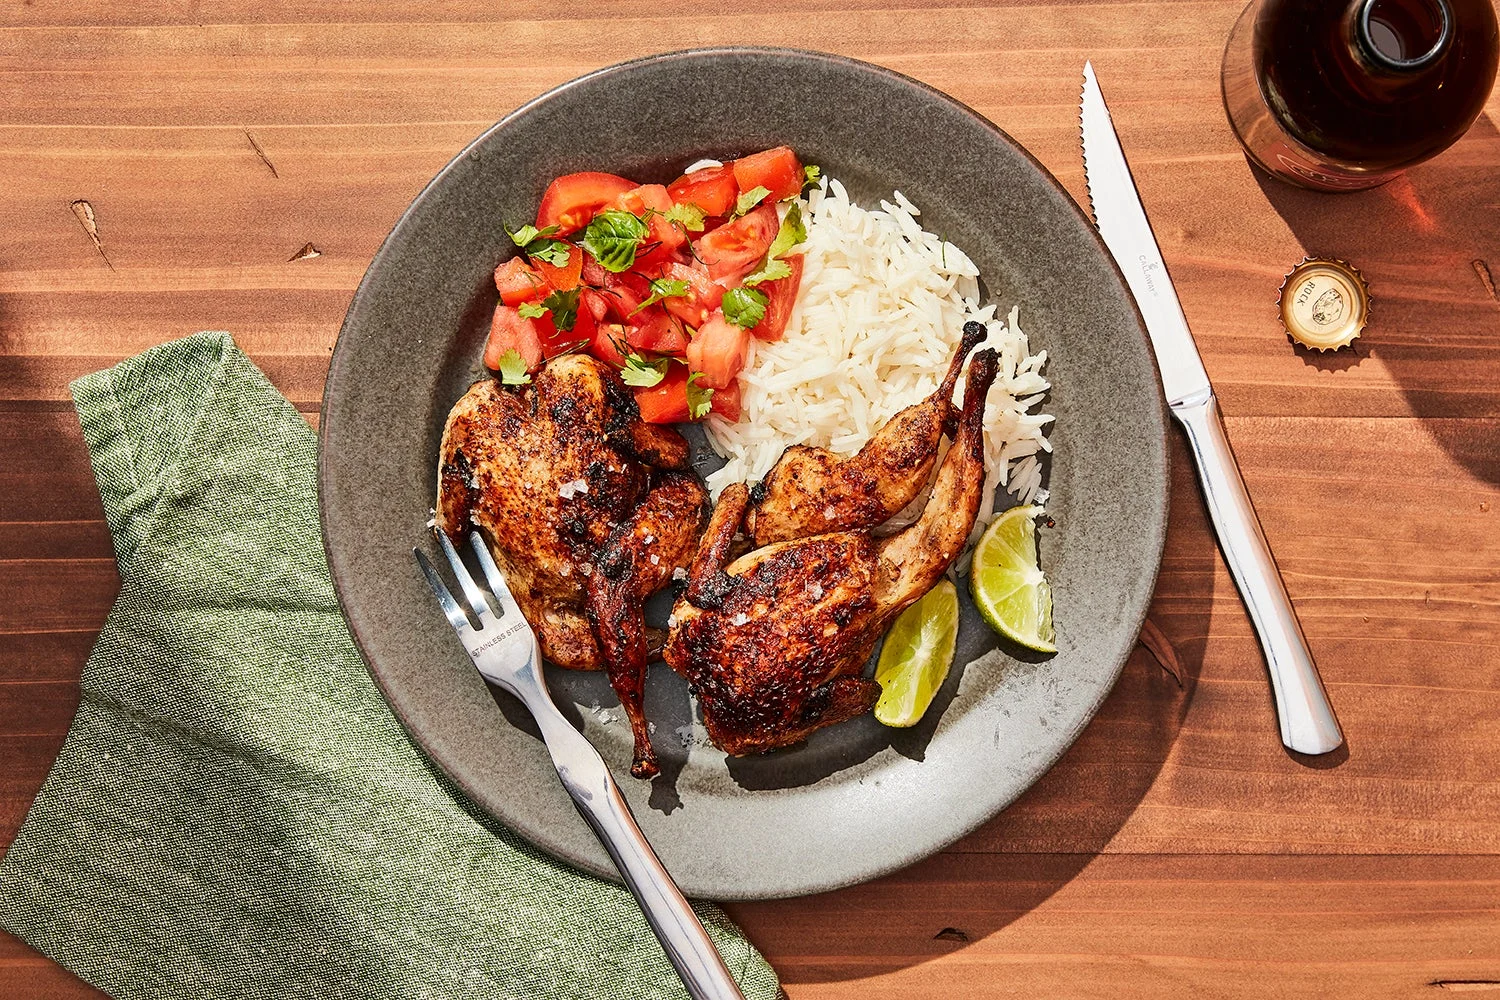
[{"x": 235, "y": 812}]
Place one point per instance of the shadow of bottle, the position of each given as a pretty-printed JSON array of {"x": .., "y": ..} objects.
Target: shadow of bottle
[{"x": 1429, "y": 244}]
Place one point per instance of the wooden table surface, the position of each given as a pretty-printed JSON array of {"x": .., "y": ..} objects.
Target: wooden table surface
[{"x": 1176, "y": 850}]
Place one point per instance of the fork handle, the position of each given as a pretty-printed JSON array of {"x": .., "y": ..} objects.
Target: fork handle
[
  {"x": 1303, "y": 711},
  {"x": 598, "y": 799}
]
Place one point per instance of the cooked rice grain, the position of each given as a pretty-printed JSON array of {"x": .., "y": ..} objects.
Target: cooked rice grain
[{"x": 879, "y": 315}]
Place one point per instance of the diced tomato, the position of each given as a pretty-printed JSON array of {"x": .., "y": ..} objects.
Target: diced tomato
[
  {"x": 733, "y": 250},
  {"x": 666, "y": 401},
  {"x": 718, "y": 351},
  {"x": 568, "y": 275},
  {"x": 595, "y": 302},
  {"x": 573, "y": 199},
  {"x": 782, "y": 294},
  {"x": 518, "y": 283},
  {"x": 623, "y": 293},
  {"x": 712, "y": 189},
  {"x": 653, "y": 198},
  {"x": 656, "y": 257},
  {"x": 703, "y": 295},
  {"x": 535, "y": 339},
  {"x": 777, "y": 170},
  {"x": 726, "y": 402},
  {"x": 593, "y": 272},
  {"x": 555, "y": 341},
  {"x": 510, "y": 331},
  {"x": 609, "y": 340},
  {"x": 657, "y": 331}
]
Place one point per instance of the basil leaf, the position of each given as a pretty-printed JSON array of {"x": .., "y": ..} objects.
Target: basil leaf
[
  {"x": 564, "y": 308},
  {"x": 745, "y": 307},
  {"x": 749, "y": 200},
  {"x": 532, "y": 310},
  {"x": 513, "y": 368},
  {"x": 613, "y": 238},
  {"x": 663, "y": 288},
  {"x": 699, "y": 397},
  {"x": 641, "y": 373}
]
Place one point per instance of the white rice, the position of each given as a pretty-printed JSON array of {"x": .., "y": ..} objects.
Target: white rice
[{"x": 878, "y": 316}]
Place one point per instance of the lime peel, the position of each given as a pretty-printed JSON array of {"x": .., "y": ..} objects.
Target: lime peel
[
  {"x": 1009, "y": 588},
  {"x": 916, "y": 656}
]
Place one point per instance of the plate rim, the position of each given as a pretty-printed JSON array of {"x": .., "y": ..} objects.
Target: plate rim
[{"x": 1155, "y": 538}]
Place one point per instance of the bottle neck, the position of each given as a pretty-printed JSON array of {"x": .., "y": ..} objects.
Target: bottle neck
[{"x": 1401, "y": 37}]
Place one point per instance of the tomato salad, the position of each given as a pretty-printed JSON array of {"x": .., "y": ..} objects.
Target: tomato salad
[{"x": 665, "y": 282}]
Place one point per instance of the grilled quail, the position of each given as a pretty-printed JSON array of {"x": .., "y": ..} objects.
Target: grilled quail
[
  {"x": 811, "y": 491},
  {"x": 775, "y": 644},
  {"x": 587, "y": 510}
]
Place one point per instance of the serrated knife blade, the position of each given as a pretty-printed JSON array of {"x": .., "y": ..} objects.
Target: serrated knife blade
[
  {"x": 1303, "y": 712},
  {"x": 1126, "y": 231}
]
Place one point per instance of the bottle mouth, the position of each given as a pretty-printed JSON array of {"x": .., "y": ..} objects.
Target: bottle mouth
[{"x": 1404, "y": 34}]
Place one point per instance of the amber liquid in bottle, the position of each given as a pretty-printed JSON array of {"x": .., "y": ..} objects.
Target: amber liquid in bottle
[{"x": 1345, "y": 95}]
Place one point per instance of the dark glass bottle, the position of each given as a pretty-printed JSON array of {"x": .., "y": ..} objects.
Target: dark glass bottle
[{"x": 1345, "y": 95}]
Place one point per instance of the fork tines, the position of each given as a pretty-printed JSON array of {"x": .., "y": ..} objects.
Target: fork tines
[{"x": 473, "y": 594}]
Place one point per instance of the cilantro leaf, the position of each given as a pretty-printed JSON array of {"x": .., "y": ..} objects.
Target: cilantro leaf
[
  {"x": 745, "y": 307},
  {"x": 529, "y": 234},
  {"x": 663, "y": 288},
  {"x": 811, "y": 175},
  {"x": 564, "y": 308},
  {"x": 513, "y": 368},
  {"x": 791, "y": 233},
  {"x": 699, "y": 397},
  {"x": 554, "y": 252},
  {"x": 750, "y": 199},
  {"x": 538, "y": 244},
  {"x": 613, "y": 238},
  {"x": 688, "y": 216},
  {"x": 770, "y": 270},
  {"x": 532, "y": 310},
  {"x": 641, "y": 373}
]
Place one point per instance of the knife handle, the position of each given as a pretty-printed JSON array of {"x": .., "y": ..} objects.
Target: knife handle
[{"x": 1306, "y": 718}]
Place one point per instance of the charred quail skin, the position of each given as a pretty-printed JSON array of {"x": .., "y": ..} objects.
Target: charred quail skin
[
  {"x": 774, "y": 643},
  {"x": 586, "y": 509}
]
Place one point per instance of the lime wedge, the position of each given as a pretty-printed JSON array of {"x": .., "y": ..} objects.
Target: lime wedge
[
  {"x": 1008, "y": 586},
  {"x": 917, "y": 653}
]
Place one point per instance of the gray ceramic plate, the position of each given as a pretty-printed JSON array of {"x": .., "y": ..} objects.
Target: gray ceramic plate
[{"x": 857, "y": 800}]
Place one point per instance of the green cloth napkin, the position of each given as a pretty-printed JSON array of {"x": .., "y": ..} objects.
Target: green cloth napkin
[{"x": 235, "y": 811}]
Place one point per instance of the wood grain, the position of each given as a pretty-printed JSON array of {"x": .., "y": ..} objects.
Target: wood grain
[{"x": 1176, "y": 850}]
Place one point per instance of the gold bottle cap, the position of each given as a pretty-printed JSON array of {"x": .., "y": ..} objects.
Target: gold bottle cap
[{"x": 1324, "y": 302}]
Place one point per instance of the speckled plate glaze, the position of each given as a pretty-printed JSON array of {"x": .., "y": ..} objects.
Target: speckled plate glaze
[{"x": 857, "y": 800}]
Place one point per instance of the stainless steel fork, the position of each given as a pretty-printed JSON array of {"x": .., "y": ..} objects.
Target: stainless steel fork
[{"x": 504, "y": 648}]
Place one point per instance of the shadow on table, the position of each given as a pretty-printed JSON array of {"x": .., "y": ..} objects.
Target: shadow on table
[
  {"x": 1017, "y": 861},
  {"x": 1429, "y": 244}
]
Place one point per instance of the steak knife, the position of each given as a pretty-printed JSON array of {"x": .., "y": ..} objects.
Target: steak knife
[{"x": 1305, "y": 716}]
